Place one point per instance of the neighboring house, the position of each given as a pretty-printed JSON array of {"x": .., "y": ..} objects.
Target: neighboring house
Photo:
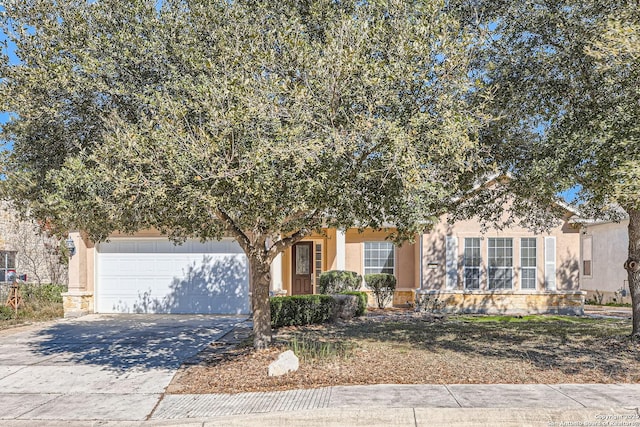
[
  {"x": 27, "y": 250},
  {"x": 467, "y": 267},
  {"x": 604, "y": 247}
]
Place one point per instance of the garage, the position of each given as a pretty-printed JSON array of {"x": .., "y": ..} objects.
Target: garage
[{"x": 156, "y": 276}]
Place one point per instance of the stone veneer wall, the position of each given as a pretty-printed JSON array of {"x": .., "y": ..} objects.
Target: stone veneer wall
[
  {"x": 77, "y": 304},
  {"x": 497, "y": 302},
  {"x": 37, "y": 255},
  {"x": 510, "y": 302}
]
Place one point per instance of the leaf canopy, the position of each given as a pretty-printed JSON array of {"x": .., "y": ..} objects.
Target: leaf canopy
[{"x": 257, "y": 118}]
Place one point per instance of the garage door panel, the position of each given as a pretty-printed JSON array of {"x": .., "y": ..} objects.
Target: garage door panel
[{"x": 154, "y": 280}]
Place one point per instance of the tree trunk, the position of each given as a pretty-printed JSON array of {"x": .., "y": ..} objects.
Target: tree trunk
[
  {"x": 632, "y": 265},
  {"x": 260, "y": 282}
]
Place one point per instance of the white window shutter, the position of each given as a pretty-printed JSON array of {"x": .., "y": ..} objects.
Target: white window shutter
[
  {"x": 550, "y": 263},
  {"x": 452, "y": 262}
]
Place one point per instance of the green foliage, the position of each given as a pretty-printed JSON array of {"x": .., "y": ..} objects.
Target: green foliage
[
  {"x": 338, "y": 281},
  {"x": 39, "y": 302},
  {"x": 48, "y": 292},
  {"x": 363, "y": 301},
  {"x": 266, "y": 120},
  {"x": 6, "y": 312},
  {"x": 299, "y": 310},
  {"x": 383, "y": 286},
  {"x": 200, "y": 118},
  {"x": 563, "y": 75}
]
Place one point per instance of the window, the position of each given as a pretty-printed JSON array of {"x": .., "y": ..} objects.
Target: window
[
  {"x": 7, "y": 263},
  {"x": 528, "y": 263},
  {"x": 318, "y": 260},
  {"x": 500, "y": 263},
  {"x": 586, "y": 255},
  {"x": 379, "y": 257},
  {"x": 472, "y": 261}
]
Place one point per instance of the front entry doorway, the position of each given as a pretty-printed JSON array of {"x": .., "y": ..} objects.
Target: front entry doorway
[{"x": 302, "y": 268}]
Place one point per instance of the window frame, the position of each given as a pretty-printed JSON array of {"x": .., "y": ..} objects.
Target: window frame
[
  {"x": 364, "y": 258},
  {"x": 5, "y": 267},
  {"x": 492, "y": 269},
  {"x": 477, "y": 268},
  {"x": 533, "y": 268}
]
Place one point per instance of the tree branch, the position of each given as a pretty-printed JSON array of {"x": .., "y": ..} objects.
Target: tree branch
[{"x": 241, "y": 237}]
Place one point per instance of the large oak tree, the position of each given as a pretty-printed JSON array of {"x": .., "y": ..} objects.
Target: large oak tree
[{"x": 260, "y": 120}]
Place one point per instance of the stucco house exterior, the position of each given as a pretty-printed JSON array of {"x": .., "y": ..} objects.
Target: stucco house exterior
[
  {"x": 604, "y": 246},
  {"x": 467, "y": 267}
]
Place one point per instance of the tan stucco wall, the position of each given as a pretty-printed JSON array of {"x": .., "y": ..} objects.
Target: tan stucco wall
[
  {"x": 327, "y": 240},
  {"x": 79, "y": 299},
  {"x": 434, "y": 253},
  {"x": 406, "y": 256},
  {"x": 406, "y": 268},
  {"x": 609, "y": 246}
]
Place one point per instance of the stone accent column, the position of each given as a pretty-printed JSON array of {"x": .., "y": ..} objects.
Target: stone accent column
[{"x": 78, "y": 300}]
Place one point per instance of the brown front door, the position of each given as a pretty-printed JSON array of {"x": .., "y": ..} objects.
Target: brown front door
[{"x": 302, "y": 268}]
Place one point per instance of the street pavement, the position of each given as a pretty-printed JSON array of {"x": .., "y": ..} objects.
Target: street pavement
[{"x": 107, "y": 370}]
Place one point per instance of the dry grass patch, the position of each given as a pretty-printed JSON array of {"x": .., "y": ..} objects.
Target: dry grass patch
[
  {"x": 39, "y": 303},
  {"x": 409, "y": 349}
]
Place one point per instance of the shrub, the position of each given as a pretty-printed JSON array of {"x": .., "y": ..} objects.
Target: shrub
[
  {"x": 49, "y": 292},
  {"x": 6, "y": 312},
  {"x": 363, "y": 301},
  {"x": 299, "y": 310},
  {"x": 383, "y": 286},
  {"x": 337, "y": 281}
]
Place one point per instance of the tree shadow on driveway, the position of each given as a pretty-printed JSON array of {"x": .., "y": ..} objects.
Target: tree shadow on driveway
[{"x": 130, "y": 342}]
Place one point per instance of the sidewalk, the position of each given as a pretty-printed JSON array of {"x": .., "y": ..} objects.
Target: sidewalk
[
  {"x": 395, "y": 405},
  {"x": 412, "y": 405}
]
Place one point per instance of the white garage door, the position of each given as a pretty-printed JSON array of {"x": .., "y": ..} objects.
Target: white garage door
[{"x": 156, "y": 276}]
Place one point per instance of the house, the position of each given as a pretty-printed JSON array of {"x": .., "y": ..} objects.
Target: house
[
  {"x": 469, "y": 268},
  {"x": 604, "y": 245},
  {"x": 25, "y": 249}
]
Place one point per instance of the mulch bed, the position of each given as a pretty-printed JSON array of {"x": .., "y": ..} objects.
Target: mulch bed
[{"x": 402, "y": 347}]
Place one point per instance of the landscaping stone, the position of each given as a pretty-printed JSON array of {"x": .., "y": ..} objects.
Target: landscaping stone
[
  {"x": 286, "y": 362},
  {"x": 346, "y": 307}
]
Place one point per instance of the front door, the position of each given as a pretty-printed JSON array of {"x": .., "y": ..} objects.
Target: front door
[{"x": 302, "y": 268}]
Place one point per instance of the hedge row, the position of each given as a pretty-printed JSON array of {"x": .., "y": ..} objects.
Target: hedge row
[{"x": 298, "y": 310}]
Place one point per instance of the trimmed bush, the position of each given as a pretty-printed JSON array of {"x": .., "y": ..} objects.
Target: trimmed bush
[
  {"x": 363, "y": 301},
  {"x": 337, "y": 281},
  {"x": 297, "y": 310},
  {"x": 383, "y": 286}
]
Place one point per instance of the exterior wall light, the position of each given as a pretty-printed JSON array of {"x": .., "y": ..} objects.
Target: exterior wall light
[{"x": 71, "y": 246}]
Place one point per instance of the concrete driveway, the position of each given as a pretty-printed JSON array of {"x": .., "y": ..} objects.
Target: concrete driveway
[{"x": 98, "y": 367}]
